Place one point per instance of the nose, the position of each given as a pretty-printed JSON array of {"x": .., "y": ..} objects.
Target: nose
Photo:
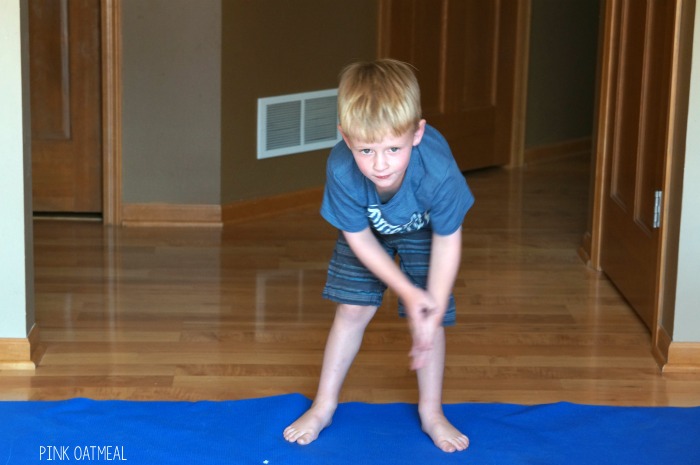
[{"x": 380, "y": 163}]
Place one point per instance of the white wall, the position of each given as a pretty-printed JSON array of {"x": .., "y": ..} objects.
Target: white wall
[
  {"x": 687, "y": 316},
  {"x": 16, "y": 258}
]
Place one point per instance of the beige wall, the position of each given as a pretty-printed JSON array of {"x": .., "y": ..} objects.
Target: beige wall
[
  {"x": 562, "y": 71},
  {"x": 171, "y": 145},
  {"x": 193, "y": 71},
  {"x": 275, "y": 47}
]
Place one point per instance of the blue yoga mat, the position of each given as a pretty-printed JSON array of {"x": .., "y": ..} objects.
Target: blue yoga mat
[{"x": 249, "y": 432}]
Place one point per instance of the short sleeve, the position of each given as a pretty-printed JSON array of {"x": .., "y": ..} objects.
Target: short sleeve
[
  {"x": 341, "y": 206},
  {"x": 452, "y": 201}
]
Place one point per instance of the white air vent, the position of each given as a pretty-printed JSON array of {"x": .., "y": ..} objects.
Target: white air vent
[{"x": 297, "y": 123}]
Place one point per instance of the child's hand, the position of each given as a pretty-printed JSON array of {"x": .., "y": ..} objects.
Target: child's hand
[
  {"x": 424, "y": 320},
  {"x": 418, "y": 303},
  {"x": 423, "y": 330}
]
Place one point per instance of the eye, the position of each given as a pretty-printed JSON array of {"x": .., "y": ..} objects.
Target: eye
[
  {"x": 394, "y": 149},
  {"x": 365, "y": 151}
]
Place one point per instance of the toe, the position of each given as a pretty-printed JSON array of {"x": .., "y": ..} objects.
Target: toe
[
  {"x": 447, "y": 446},
  {"x": 454, "y": 444},
  {"x": 289, "y": 435},
  {"x": 300, "y": 437},
  {"x": 460, "y": 443}
]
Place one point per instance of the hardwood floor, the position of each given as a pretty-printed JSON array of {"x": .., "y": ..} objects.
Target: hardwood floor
[{"x": 189, "y": 314}]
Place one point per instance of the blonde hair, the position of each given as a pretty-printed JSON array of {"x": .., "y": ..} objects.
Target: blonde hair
[{"x": 376, "y": 98}]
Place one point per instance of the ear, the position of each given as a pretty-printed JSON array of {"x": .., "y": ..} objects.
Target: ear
[
  {"x": 344, "y": 136},
  {"x": 418, "y": 135}
]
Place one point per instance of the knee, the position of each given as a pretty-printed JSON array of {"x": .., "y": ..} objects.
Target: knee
[{"x": 355, "y": 314}]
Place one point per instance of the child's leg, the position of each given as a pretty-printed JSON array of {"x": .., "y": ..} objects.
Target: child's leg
[
  {"x": 343, "y": 343},
  {"x": 441, "y": 431}
]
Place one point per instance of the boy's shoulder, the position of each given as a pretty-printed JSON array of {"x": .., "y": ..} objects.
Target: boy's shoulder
[
  {"x": 341, "y": 164},
  {"x": 435, "y": 157},
  {"x": 342, "y": 172},
  {"x": 341, "y": 157},
  {"x": 435, "y": 145}
]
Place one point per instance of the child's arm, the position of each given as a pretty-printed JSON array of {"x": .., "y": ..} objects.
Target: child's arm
[
  {"x": 368, "y": 250},
  {"x": 445, "y": 256},
  {"x": 424, "y": 310}
]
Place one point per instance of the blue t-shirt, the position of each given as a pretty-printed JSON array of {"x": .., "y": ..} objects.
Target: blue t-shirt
[{"x": 433, "y": 192}]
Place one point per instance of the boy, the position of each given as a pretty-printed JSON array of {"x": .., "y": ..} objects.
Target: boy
[{"x": 392, "y": 188}]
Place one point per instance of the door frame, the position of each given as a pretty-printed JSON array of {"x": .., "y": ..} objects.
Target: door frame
[
  {"x": 111, "y": 42},
  {"x": 667, "y": 258},
  {"x": 522, "y": 62}
]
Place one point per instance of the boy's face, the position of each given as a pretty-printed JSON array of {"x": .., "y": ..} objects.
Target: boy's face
[{"x": 384, "y": 162}]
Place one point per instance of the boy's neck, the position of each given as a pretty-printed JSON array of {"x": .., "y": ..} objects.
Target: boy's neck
[{"x": 387, "y": 195}]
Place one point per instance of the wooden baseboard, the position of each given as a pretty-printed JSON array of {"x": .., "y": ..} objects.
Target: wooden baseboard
[
  {"x": 557, "y": 150},
  {"x": 162, "y": 214},
  {"x": 17, "y": 353},
  {"x": 259, "y": 208},
  {"x": 683, "y": 357}
]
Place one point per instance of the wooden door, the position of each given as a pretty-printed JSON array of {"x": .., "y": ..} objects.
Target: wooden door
[
  {"x": 465, "y": 53},
  {"x": 635, "y": 110},
  {"x": 64, "y": 37}
]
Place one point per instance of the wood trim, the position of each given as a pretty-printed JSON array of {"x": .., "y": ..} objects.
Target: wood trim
[
  {"x": 683, "y": 357},
  {"x": 164, "y": 214},
  {"x": 522, "y": 60},
  {"x": 16, "y": 353},
  {"x": 558, "y": 149},
  {"x": 383, "y": 26},
  {"x": 589, "y": 251},
  {"x": 603, "y": 127},
  {"x": 258, "y": 208},
  {"x": 111, "y": 111},
  {"x": 161, "y": 214},
  {"x": 673, "y": 179}
]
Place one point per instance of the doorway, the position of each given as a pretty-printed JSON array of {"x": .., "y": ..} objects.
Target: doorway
[{"x": 644, "y": 90}]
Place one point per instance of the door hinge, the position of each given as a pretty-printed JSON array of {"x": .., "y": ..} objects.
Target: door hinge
[{"x": 658, "y": 195}]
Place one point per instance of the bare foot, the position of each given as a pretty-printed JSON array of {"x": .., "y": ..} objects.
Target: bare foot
[
  {"x": 308, "y": 426},
  {"x": 445, "y": 436}
]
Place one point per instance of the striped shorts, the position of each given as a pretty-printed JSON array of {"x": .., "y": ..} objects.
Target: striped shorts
[{"x": 350, "y": 282}]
